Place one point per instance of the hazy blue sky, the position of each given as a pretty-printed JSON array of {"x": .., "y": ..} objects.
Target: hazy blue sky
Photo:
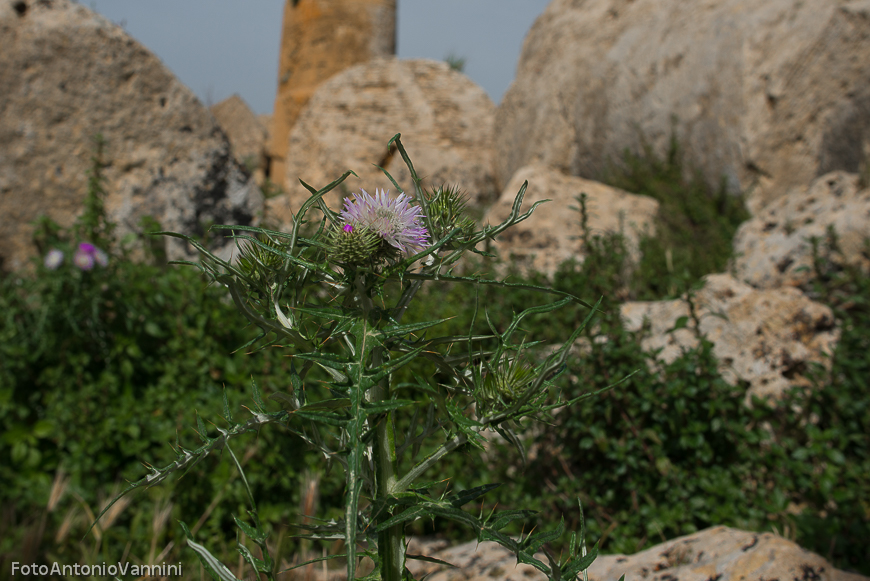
[{"x": 221, "y": 47}]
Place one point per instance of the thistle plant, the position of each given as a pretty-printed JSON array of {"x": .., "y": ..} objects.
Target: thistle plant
[{"x": 334, "y": 291}]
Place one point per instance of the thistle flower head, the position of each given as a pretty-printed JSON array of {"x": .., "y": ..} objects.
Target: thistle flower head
[
  {"x": 396, "y": 221},
  {"x": 352, "y": 245},
  {"x": 87, "y": 255}
]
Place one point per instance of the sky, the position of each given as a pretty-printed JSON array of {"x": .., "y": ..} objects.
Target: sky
[{"x": 222, "y": 47}]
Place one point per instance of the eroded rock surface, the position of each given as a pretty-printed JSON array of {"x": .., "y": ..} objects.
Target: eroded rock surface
[
  {"x": 776, "y": 92},
  {"x": 68, "y": 74},
  {"x": 553, "y": 233},
  {"x": 444, "y": 118},
  {"x": 766, "y": 337},
  {"x": 774, "y": 248},
  {"x": 246, "y": 133},
  {"x": 719, "y": 553}
]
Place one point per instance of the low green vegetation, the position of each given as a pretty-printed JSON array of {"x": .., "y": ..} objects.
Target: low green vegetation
[
  {"x": 667, "y": 454},
  {"x": 694, "y": 226},
  {"x": 457, "y": 63},
  {"x": 105, "y": 368}
]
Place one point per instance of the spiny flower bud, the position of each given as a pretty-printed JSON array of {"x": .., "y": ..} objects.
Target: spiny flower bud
[
  {"x": 505, "y": 381},
  {"x": 447, "y": 211},
  {"x": 259, "y": 263},
  {"x": 353, "y": 244}
]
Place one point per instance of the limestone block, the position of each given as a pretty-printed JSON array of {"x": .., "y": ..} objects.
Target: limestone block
[
  {"x": 765, "y": 337},
  {"x": 774, "y": 248},
  {"x": 444, "y": 118},
  {"x": 552, "y": 234},
  {"x": 68, "y": 74},
  {"x": 771, "y": 93}
]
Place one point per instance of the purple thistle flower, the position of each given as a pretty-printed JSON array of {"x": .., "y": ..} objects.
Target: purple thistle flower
[
  {"x": 83, "y": 259},
  {"x": 348, "y": 228},
  {"x": 53, "y": 259},
  {"x": 87, "y": 255},
  {"x": 396, "y": 221}
]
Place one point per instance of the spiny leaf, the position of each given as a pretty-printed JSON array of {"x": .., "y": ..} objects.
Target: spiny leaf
[
  {"x": 325, "y": 360},
  {"x": 217, "y": 570},
  {"x": 257, "y": 564},
  {"x": 335, "y": 374},
  {"x": 258, "y": 397},
  {"x": 502, "y": 519},
  {"x": 429, "y": 560},
  {"x": 497, "y": 537},
  {"x": 343, "y": 314},
  {"x": 402, "y": 330},
  {"x": 317, "y": 560},
  {"x": 536, "y": 541},
  {"x": 581, "y": 563},
  {"x": 501, "y": 283},
  {"x": 317, "y": 198},
  {"x": 408, "y": 515},
  {"x": 255, "y": 535},
  {"x": 329, "y": 419},
  {"x": 188, "y": 458},
  {"x": 228, "y": 416},
  {"x": 388, "y": 367},
  {"x": 382, "y": 407},
  {"x": 200, "y": 427},
  {"x": 327, "y": 404},
  {"x": 460, "y": 498}
]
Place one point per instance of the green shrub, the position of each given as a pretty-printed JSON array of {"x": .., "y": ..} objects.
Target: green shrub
[
  {"x": 100, "y": 370},
  {"x": 666, "y": 454}
]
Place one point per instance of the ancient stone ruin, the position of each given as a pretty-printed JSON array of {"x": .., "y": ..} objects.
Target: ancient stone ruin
[{"x": 319, "y": 39}]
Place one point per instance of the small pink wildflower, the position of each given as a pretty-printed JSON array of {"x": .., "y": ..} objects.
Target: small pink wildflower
[
  {"x": 87, "y": 255},
  {"x": 83, "y": 260}
]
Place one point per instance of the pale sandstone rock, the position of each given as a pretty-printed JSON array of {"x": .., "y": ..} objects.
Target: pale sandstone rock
[
  {"x": 485, "y": 561},
  {"x": 552, "y": 234},
  {"x": 719, "y": 553},
  {"x": 774, "y": 248},
  {"x": 320, "y": 38},
  {"x": 765, "y": 337},
  {"x": 444, "y": 118},
  {"x": 776, "y": 92},
  {"x": 245, "y": 131},
  {"x": 67, "y": 74}
]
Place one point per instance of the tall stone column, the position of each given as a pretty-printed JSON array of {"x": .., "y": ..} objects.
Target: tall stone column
[{"x": 319, "y": 39}]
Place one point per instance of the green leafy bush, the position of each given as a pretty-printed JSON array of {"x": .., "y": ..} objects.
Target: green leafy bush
[
  {"x": 666, "y": 454},
  {"x": 101, "y": 369}
]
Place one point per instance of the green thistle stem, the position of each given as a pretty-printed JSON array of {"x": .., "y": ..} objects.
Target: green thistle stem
[{"x": 391, "y": 542}]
